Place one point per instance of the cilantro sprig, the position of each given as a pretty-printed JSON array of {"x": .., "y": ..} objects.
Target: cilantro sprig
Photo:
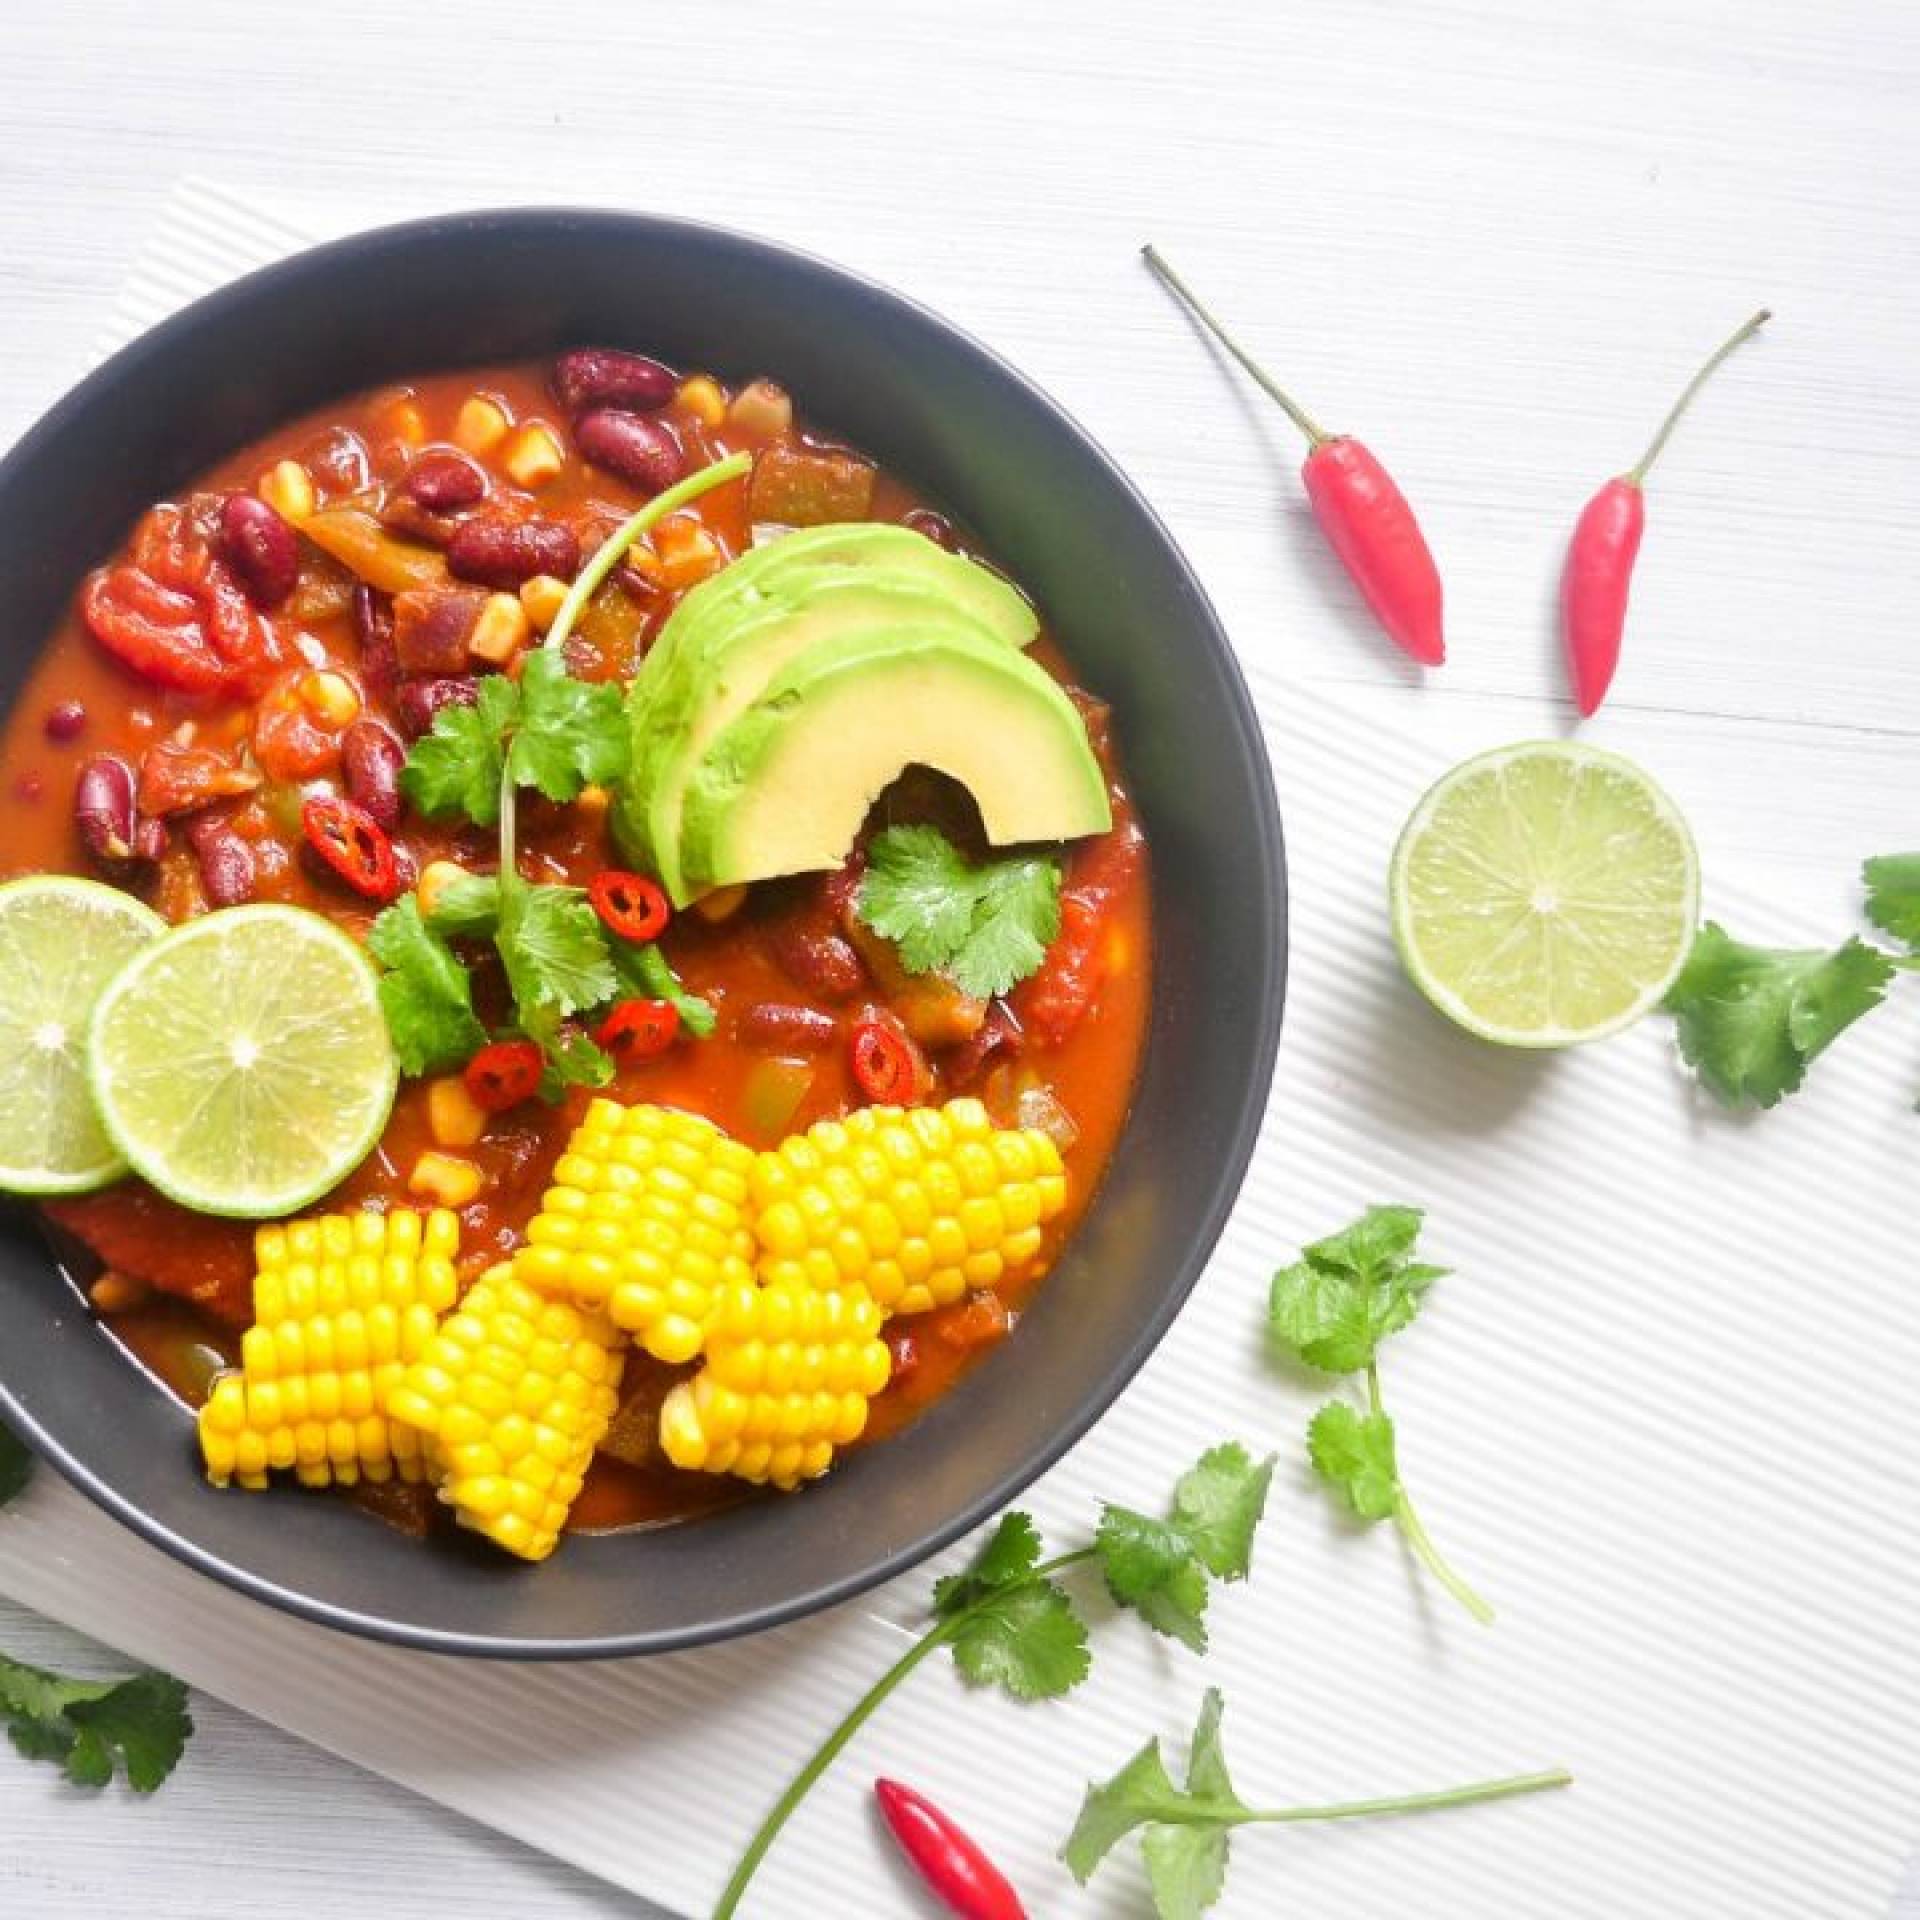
[
  {"x": 1331, "y": 1310},
  {"x": 1186, "y": 1830},
  {"x": 985, "y": 927},
  {"x": 89, "y": 1727},
  {"x": 558, "y": 736},
  {"x": 1751, "y": 1020},
  {"x": 1009, "y": 1622}
]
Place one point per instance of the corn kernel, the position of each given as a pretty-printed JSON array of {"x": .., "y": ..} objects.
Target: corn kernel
[
  {"x": 481, "y": 424},
  {"x": 330, "y": 697},
  {"x": 434, "y": 881},
  {"x": 288, "y": 489},
  {"x": 702, "y": 397},
  {"x": 454, "y": 1117},
  {"x": 501, "y": 631},
  {"x": 532, "y": 455},
  {"x": 310, "y": 1395},
  {"x": 542, "y": 596},
  {"x": 445, "y": 1179}
]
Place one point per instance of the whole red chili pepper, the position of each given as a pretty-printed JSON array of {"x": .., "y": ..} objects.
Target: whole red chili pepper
[
  {"x": 1364, "y": 516},
  {"x": 1593, "y": 590},
  {"x": 966, "y": 1881},
  {"x": 632, "y": 905},
  {"x": 353, "y": 844}
]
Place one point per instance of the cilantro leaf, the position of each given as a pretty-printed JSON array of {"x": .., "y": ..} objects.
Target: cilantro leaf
[
  {"x": 1347, "y": 1293},
  {"x": 1185, "y": 1844},
  {"x": 1353, "y": 1452},
  {"x": 89, "y": 1726},
  {"x": 1893, "y": 895},
  {"x": 1160, "y": 1568},
  {"x": 571, "y": 1058},
  {"x": 1217, "y": 1507},
  {"x": 572, "y": 733},
  {"x": 1151, "y": 1567},
  {"x": 554, "y": 949},
  {"x": 467, "y": 908},
  {"x": 457, "y": 767},
  {"x": 16, "y": 1464},
  {"x": 1751, "y": 1019},
  {"x": 1025, "y": 1639},
  {"x": 1011, "y": 1553},
  {"x": 644, "y": 971},
  {"x": 986, "y": 927},
  {"x": 426, "y": 994}
]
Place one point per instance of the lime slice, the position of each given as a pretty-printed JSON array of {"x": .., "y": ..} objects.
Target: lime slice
[
  {"x": 61, "y": 941},
  {"x": 242, "y": 1063},
  {"x": 1545, "y": 894}
]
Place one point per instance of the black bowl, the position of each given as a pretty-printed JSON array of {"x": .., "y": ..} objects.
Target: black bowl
[{"x": 966, "y": 428}]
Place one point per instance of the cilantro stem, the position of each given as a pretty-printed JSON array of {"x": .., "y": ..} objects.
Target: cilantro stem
[
  {"x": 588, "y": 581},
  {"x": 1226, "y": 1814},
  {"x": 1416, "y": 1535},
  {"x": 863, "y": 1710}
]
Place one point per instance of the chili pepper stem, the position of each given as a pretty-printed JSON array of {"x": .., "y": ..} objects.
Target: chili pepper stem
[
  {"x": 1637, "y": 473},
  {"x": 1316, "y": 434},
  {"x": 863, "y": 1710}
]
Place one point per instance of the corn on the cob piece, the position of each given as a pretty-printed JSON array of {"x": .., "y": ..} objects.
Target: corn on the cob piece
[
  {"x": 917, "y": 1204},
  {"x": 515, "y": 1390},
  {"x": 340, "y": 1304},
  {"x": 788, "y": 1377},
  {"x": 646, "y": 1218}
]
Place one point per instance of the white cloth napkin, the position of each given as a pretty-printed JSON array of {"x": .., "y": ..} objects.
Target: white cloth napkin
[{"x": 1663, "y": 1415}]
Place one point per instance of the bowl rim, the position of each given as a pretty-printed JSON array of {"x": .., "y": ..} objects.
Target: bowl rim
[{"x": 1237, "y": 1139}]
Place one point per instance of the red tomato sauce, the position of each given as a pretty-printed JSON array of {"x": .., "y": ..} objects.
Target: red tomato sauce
[{"x": 785, "y": 967}]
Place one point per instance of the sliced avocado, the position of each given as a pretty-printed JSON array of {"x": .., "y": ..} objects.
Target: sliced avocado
[
  {"x": 786, "y": 786},
  {"x": 720, "y": 679},
  {"x": 770, "y": 573}
]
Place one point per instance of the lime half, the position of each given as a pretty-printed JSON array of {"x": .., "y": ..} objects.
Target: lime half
[
  {"x": 242, "y": 1063},
  {"x": 61, "y": 941},
  {"x": 1545, "y": 894}
]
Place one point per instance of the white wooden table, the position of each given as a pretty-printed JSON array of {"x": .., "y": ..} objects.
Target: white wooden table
[{"x": 1491, "y": 236}]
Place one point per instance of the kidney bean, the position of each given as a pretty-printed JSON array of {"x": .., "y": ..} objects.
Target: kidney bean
[
  {"x": 337, "y": 459},
  {"x": 225, "y": 861},
  {"x": 373, "y": 627},
  {"x": 825, "y": 964},
  {"x": 797, "y": 1029},
  {"x": 406, "y": 870},
  {"x": 606, "y": 377},
  {"x": 260, "y": 548},
  {"x": 642, "y": 451},
  {"x": 935, "y": 526},
  {"x": 417, "y": 701},
  {"x": 65, "y": 721},
  {"x": 103, "y": 810},
  {"x": 370, "y": 763},
  {"x": 504, "y": 553},
  {"x": 443, "y": 480}
]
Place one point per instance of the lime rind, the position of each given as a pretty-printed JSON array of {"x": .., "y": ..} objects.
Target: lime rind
[
  {"x": 62, "y": 939},
  {"x": 242, "y": 1064},
  {"x": 1545, "y": 895}
]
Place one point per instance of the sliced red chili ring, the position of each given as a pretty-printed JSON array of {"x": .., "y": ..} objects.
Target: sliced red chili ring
[
  {"x": 504, "y": 1074},
  {"x": 353, "y": 844},
  {"x": 638, "y": 1029},
  {"x": 887, "y": 1067},
  {"x": 631, "y": 904}
]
